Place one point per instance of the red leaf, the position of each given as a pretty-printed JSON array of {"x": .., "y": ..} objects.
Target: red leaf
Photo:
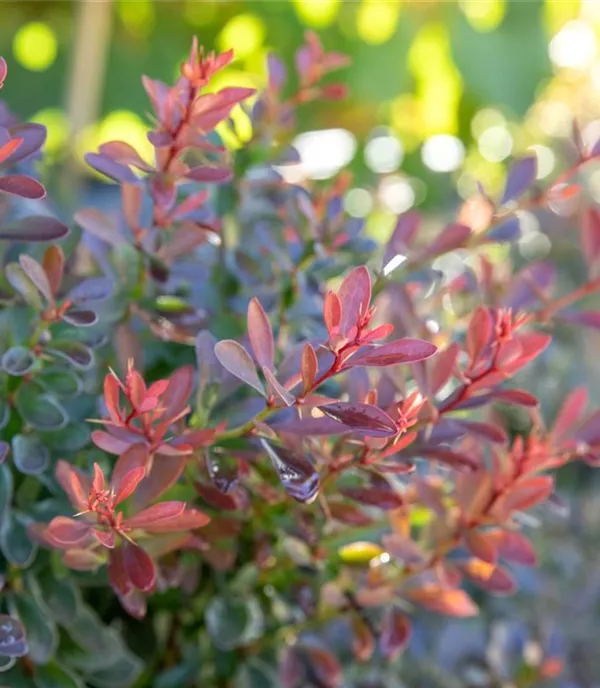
[
  {"x": 53, "y": 263},
  {"x": 138, "y": 566},
  {"x": 332, "y": 312},
  {"x": 238, "y": 362},
  {"x": 116, "y": 572},
  {"x": 532, "y": 344},
  {"x": 355, "y": 297},
  {"x": 105, "y": 537},
  {"x": 482, "y": 545},
  {"x": 486, "y": 431},
  {"x": 406, "y": 350},
  {"x": 74, "y": 483},
  {"x": 361, "y": 417},
  {"x": 3, "y": 71},
  {"x": 451, "y": 237},
  {"x": 261, "y": 334},
  {"x": 443, "y": 367},
  {"x": 374, "y": 496},
  {"x": 209, "y": 175},
  {"x": 23, "y": 186},
  {"x": 478, "y": 333},
  {"x": 216, "y": 498},
  {"x": 395, "y": 634},
  {"x": 128, "y": 483},
  {"x": 403, "y": 548},
  {"x": 33, "y": 136},
  {"x": 350, "y": 514},
  {"x": 452, "y": 458},
  {"x": 518, "y": 397},
  {"x": 590, "y": 236},
  {"x": 525, "y": 494},
  {"x": 165, "y": 472},
  {"x": 68, "y": 531},
  {"x": 325, "y": 666},
  {"x": 494, "y": 579},
  {"x": 309, "y": 366},
  {"x": 513, "y": 546},
  {"x": 402, "y": 238},
  {"x": 363, "y": 642},
  {"x": 156, "y": 513},
  {"x": 9, "y": 148},
  {"x": 275, "y": 388},
  {"x": 177, "y": 393},
  {"x": 190, "y": 519},
  {"x": 452, "y": 602},
  {"x": 125, "y": 154},
  {"x": 109, "y": 443},
  {"x": 570, "y": 412}
]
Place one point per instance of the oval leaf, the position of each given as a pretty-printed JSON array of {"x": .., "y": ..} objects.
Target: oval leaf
[
  {"x": 233, "y": 357},
  {"x": 18, "y": 361},
  {"x": 361, "y": 417},
  {"x": 297, "y": 473},
  {"x": 29, "y": 454}
]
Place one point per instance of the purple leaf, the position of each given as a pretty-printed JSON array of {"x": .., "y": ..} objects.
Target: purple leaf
[
  {"x": 233, "y": 357},
  {"x": 276, "y": 388},
  {"x": 312, "y": 426},
  {"x": 34, "y": 228},
  {"x": 277, "y": 72},
  {"x": 395, "y": 634},
  {"x": 124, "y": 153},
  {"x": 535, "y": 279},
  {"x": 91, "y": 289},
  {"x": 361, "y": 417},
  {"x": 23, "y": 186},
  {"x": 381, "y": 497},
  {"x": 3, "y": 71},
  {"x": 404, "y": 233},
  {"x": 505, "y": 232},
  {"x": 209, "y": 175},
  {"x": 111, "y": 169},
  {"x": 297, "y": 473},
  {"x": 80, "y": 318},
  {"x": 407, "y": 350},
  {"x": 590, "y": 236},
  {"x": 34, "y": 137},
  {"x": 355, "y": 296},
  {"x": 521, "y": 176}
]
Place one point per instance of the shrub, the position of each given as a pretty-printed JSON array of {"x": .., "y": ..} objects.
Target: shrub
[{"x": 293, "y": 453}]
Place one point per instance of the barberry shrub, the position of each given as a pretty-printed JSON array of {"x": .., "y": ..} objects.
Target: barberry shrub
[{"x": 242, "y": 444}]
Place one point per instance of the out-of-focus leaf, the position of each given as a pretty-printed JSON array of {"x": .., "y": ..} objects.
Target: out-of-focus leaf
[
  {"x": 323, "y": 666},
  {"x": 59, "y": 596},
  {"x": 261, "y": 334},
  {"x": 4, "y": 450},
  {"x": 37, "y": 275},
  {"x": 33, "y": 136},
  {"x": 111, "y": 169},
  {"x": 234, "y": 622},
  {"x": 18, "y": 361},
  {"x": 395, "y": 634},
  {"x": 40, "y": 410},
  {"x": 29, "y": 454},
  {"x": 355, "y": 296},
  {"x": 23, "y": 186},
  {"x": 80, "y": 355},
  {"x": 79, "y": 317},
  {"x": 97, "y": 223},
  {"x": 521, "y": 177},
  {"x": 15, "y": 543},
  {"x": 505, "y": 232},
  {"x": 20, "y": 282},
  {"x": 13, "y": 642},
  {"x": 41, "y": 631},
  {"x": 256, "y": 674},
  {"x": 139, "y": 567},
  {"x": 34, "y": 228},
  {"x": 62, "y": 382},
  {"x": 450, "y": 601},
  {"x": 54, "y": 676},
  {"x": 6, "y": 490},
  {"x": 297, "y": 473},
  {"x": 91, "y": 289}
]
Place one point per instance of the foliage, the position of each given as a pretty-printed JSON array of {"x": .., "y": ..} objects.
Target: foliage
[{"x": 316, "y": 449}]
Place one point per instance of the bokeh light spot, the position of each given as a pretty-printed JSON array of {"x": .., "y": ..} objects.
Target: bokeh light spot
[
  {"x": 574, "y": 46},
  {"x": 323, "y": 153},
  {"x": 55, "y": 121},
  {"x": 358, "y": 202},
  {"x": 376, "y": 20},
  {"x": 200, "y": 13},
  {"x": 545, "y": 160},
  {"x": 443, "y": 153},
  {"x": 317, "y": 13},
  {"x": 245, "y": 33},
  {"x": 383, "y": 154},
  {"x": 396, "y": 194},
  {"x": 138, "y": 17},
  {"x": 495, "y": 144},
  {"x": 484, "y": 15},
  {"x": 35, "y": 46}
]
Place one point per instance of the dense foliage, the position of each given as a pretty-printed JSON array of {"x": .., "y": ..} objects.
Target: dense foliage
[{"x": 216, "y": 418}]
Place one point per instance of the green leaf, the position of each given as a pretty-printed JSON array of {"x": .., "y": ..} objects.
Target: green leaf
[
  {"x": 18, "y": 360},
  {"x": 71, "y": 438},
  {"x": 120, "y": 674},
  {"x": 4, "y": 414},
  {"x": 40, "y": 410},
  {"x": 179, "y": 675},
  {"x": 7, "y": 663},
  {"x": 54, "y": 676},
  {"x": 232, "y": 622},
  {"x": 256, "y": 674},
  {"x": 14, "y": 541},
  {"x": 41, "y": 631},
  {"x": 62, "y": 382},
  {"x": 6, "y": 489},
  {"x": 19, "y": 281},
  {"x": 59, "y": 596},
  {"x": 29, "y": 454}
]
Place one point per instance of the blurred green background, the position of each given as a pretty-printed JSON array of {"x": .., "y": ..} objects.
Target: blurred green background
[{"x": 442, "y": 93}]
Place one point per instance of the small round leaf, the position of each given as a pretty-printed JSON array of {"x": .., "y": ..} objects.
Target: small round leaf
[
  {"x": 18, "y": 361},
  {"x": 29, "y": 454},
  {"x": 12, "y": 637},
  {"x": 40, "y": 410}
]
